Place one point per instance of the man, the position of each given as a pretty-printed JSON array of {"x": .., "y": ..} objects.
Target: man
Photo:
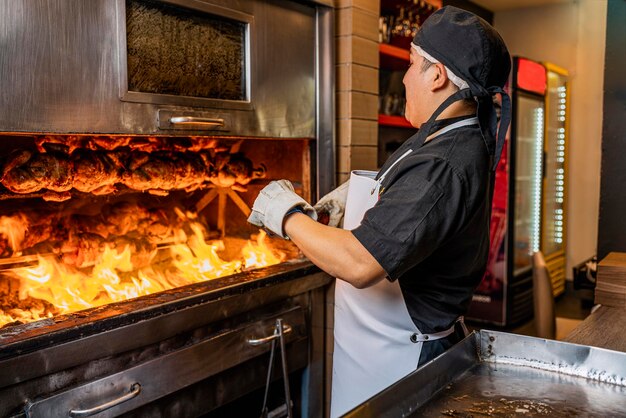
[{"x": 408, "y": 270}]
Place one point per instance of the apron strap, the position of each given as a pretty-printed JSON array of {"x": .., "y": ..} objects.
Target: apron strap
[
  {"x": 416, "y": 338},
  {"x": 505, "y": 121},
  {"x": 464, "y": 122},
  {"x": 382, "y": 177},
  {"x": 455, "y": 125},
  {"x": 426, "y": 127},
  {"x": 424, "y": 132},
  {"x": 461, "y": 321},
  {"x": 486, "y": 115}
]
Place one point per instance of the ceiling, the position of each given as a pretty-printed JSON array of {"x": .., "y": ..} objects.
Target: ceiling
[{"x": 501, "y": 5}]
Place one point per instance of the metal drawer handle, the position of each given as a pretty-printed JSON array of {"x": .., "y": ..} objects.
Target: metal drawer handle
[
  {"x": 135, "y": 389},
  {"x": 265, "y": 340},
  {"x": 193, "y": 120}
]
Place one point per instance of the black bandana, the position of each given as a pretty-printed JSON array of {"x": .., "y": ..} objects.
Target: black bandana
[{"x": 474, "y": 51}]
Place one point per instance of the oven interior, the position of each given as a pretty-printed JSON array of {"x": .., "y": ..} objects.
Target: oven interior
[{"x": 87, "y": 221}]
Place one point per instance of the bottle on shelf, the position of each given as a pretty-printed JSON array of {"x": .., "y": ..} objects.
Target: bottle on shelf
[{"x": 398, "y": 24}]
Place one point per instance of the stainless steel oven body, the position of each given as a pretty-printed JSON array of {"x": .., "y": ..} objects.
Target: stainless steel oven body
[
  {"x": 172, "y": 355},
  {"x": 65, "y": 70},
  {"x": 69, "y": 78}
]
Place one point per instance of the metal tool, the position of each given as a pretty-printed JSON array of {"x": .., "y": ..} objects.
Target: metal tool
[{"x": 288, "y": 405}]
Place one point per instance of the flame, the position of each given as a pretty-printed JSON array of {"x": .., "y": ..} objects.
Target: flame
[
  {"x": 198, "y": 261},
  {"x": 114, "y": 278},
  {"x": 259, "y": 254},
  {"x": 14, "y": 229},
  {"x": 21, "y": 315}
]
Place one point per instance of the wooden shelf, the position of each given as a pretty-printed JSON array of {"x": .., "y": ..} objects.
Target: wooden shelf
[
  {"x": 394, "y": 51},
  {"x": 393, "y": 58},
  {"x": 391, "y": 4},
  {"x": 423, "y": 8},
  {"x": 394, "y": 121}
]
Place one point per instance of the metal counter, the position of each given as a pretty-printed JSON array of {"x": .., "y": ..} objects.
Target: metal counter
[{"x": 499, "y": 374}]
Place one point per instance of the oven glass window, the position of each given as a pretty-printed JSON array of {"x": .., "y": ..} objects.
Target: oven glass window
[{"x": 184, "y": 52}]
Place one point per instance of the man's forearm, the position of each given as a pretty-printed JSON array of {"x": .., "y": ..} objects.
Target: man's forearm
[{"x": 336, "y": 251}]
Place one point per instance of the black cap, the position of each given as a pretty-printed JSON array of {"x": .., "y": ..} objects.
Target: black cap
[{"x": 467, "y": 45}]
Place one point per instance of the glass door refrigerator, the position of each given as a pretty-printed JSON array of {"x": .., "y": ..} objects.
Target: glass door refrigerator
[
  {"x": 504, "y": 297},
  {"x": 554, "y": 196}
]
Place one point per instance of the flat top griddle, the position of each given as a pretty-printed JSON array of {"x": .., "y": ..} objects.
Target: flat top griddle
[{"x": 496, "y": 374}]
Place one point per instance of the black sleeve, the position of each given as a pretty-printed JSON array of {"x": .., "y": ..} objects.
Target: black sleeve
[{"x": 417, "y": 212}]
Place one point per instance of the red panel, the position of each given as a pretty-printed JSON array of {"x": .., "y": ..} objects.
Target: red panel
[
  {"x": 531, "y": 76},
  {"x": 394, "y": 51},
  {"x": 397, "y": 121}
]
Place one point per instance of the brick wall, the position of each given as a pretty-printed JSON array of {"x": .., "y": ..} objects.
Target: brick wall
[{"x": 357, "y": 62}]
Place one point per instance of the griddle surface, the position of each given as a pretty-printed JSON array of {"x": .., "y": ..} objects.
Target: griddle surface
[{"x": 502, "y": 390}]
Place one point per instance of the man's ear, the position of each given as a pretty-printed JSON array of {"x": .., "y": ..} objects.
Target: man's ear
[{"x": 440, "y": 77}]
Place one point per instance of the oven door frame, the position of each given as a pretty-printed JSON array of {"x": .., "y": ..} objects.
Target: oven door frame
[{"x": 250, "y": 61}]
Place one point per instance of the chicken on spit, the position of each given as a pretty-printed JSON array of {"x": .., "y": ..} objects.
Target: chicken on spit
[
  {"x": 28, "y": 172},
  {"x": 100, "y": 172}
]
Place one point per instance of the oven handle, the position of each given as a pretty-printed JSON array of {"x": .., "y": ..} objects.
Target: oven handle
[
  {"x": 135, "y": 389},
  {"x": 264, "y": 340},
  {"x": 195, "y": 120}
]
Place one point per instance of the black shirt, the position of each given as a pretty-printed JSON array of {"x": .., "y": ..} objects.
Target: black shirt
[{"x": 430, "y": 226}]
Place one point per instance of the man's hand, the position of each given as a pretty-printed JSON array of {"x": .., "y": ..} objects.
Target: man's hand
[
  {"x": 332, "y": 206},
  {"x": 273, "y": 203}
]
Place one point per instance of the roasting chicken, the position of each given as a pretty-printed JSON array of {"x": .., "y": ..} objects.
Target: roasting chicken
[
  {"x": 55, "y": 174},
  {"x": 23, "y": 230},
  {"x": 156, "y": 227},
  {"x": 29, "y": 172},
  {"x": 81, "y": 224},
  {"x": 82, "y": 250},
  {"x": 95, "y": 172},
  {"x": 164, "y": 171},
  {"x": 234, "y": 170},
  {"x": 119, "y": 225},
  {"x": 142, "y": 251},
  {"x": 79, "y": 239},
  {"x": 85, "y": 250}
]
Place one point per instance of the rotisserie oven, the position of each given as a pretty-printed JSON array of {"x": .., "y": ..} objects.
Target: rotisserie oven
[{"x": 135, "y": 135}]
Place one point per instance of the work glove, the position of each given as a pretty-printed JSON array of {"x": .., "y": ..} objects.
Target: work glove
[
  {"x": 274, "y": 202},
  {"x": 330, "y": 208}
]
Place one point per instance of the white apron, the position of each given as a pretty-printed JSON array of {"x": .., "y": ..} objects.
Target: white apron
[{"x": 376, "y": 341}]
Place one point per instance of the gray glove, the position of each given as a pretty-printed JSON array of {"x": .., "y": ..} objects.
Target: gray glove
[
  {"x": 333, "y": 206},
  {"x": 273, "y": 203}
]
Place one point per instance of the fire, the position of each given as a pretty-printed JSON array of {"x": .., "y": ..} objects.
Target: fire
[
  {"x": 198, "y": 260},
  {"x": 259, "y": 254},
  {"x": 66, "y": 289},
  {"x": 14, "y": 228}
]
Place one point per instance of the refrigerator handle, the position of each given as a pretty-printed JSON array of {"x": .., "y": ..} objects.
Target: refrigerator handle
[{"x": 543, "y": 164}]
